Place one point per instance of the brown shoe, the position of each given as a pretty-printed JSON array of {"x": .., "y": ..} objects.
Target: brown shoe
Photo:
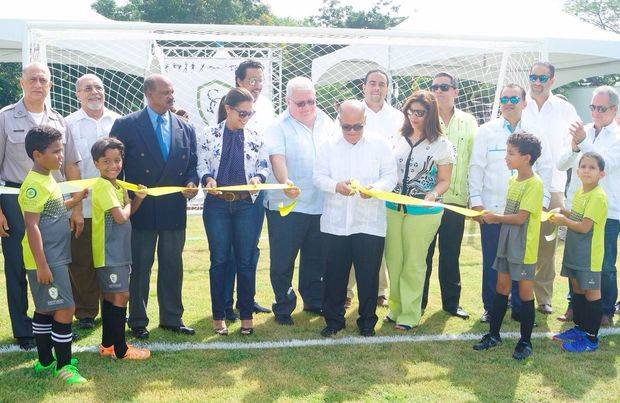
[
  {"x": 347, "y": 303},
  {"x": 567, "y": 317},
  {"x": 606, "y": 321},
  {"x": 382, "y": 301}
]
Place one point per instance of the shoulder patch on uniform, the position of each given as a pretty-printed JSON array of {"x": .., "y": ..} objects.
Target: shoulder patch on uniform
[{"x": 31, "y": 193}]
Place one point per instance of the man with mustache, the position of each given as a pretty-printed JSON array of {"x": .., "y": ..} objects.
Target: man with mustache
[{"x": 88, "y": 124}]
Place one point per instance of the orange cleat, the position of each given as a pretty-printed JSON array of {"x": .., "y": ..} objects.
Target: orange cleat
[
  {"x": 106, "y": 351},
  {"x": 135, "y": 353}
]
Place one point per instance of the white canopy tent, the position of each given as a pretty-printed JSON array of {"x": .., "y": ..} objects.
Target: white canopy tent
[{"x": 577, "y": 49}]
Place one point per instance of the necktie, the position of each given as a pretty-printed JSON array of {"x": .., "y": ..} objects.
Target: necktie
[{"x": 160, "y": 137}]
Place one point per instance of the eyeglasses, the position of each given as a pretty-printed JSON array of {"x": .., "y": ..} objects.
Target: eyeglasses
[
  {"x": 600, "y": 108},
  {"x": 92, "y": 88},
  {"x": 309, "y": 102},
  {"x": 244, "y": 114},
  {"x": 356, "y": 127},
  {"x": 512, "y": 100},
  {"x": 442, "y": 87},
  {"x": 542, "y": 78},
  {"x": 418, "y": 112}
]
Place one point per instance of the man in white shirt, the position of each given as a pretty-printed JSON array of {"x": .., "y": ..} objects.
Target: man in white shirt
[
  {"x": 488, "y": 182},
  {"x": 88, "y": 124},
  {"x": 600, "y": 136},
  {"x": 383, "y": 121},
  {"x": 553, "y": 116},
  {"x": 353, "y": 225}
]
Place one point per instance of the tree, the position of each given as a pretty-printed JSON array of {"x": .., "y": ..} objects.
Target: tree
[
  {"x": 384, "y": 14},
  {"x": 604, "y": 14},
  {"x": 9, "y": 83}
]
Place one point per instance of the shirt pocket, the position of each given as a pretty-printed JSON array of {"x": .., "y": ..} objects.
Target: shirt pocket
[{"x": 17, "y": 135}]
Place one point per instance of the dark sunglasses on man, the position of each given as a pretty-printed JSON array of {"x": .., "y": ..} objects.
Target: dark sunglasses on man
[
  {"x": 442, "y": 87},
  {"x": 418, "y": 112},
  {"x": 244, "y": 114},
  {"x": 542, "y": 78},
  {"x": 309, "y": 102},
  {"x": 600, "y": 108},
  {"x": 512, "y": 100},
  {"x": 356, "y": 127}
]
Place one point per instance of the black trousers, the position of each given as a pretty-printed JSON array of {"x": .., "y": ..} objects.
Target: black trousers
[
  {"x": 297, "y": 233},
  {"x": 16, "y": 284},
  {"x": 169, "y": 245},
  {"x": 365, "y": 253},
  {"x": 450, "y": 236}
]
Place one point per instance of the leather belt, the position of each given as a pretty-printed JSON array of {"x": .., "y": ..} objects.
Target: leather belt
[{"x": 232, "y": 196}]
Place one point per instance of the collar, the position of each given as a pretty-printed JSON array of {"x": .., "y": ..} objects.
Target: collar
[
  {"x": 342, "y": 140},
  {"x": 552, "y": 100},
  {"x": 506, "y": 125},
  {"x": 20, "y": 110},
  {"x": 368, "y": 109},
  {"x": 81, "y": 114},
  {"x": 153, "y": 115}
]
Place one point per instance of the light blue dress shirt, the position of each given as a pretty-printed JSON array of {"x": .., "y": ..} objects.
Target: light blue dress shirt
[
  {"x": 299, "y": 145},
  {"x": 166, "y": 128}
]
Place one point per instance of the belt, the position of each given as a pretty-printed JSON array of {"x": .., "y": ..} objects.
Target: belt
[
  {"x": 232, "y": 196},
  {"x": 12, "y": 184}
]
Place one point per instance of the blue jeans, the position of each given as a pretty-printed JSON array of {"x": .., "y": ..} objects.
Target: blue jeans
[
  {"x": 609, "y": 284},
  {"x": 234, "y": 225},
  {"x": 489, "y": 237}
]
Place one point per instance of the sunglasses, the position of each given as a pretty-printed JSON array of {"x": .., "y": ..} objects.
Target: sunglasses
[
  {"x": 244, "y": 114},
  {"x": 600, "y": 108},
  {"x": 512, "y": 100},
  {"x": 309, "y": 102},
  {"x": 542, "y": 78},
  {"x": 442, "y": 87},
  {"x": 356, "y": 127},
  {"x": 418, "y": 112}
]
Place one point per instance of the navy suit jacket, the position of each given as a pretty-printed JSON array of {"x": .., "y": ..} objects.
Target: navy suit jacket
[{"x": 144, "y": 164}]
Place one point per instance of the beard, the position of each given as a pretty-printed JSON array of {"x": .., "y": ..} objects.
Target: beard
[{"x": 95, "y": 105}]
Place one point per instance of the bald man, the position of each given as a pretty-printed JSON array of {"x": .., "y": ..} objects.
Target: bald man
[
  {"x": 353, "y": 225},
  {"x": 15, "y": 121},
  {"x": 160, "y": 150},
  {"x": 88, "y": 124}
]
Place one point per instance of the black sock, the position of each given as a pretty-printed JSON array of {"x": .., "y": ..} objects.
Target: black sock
[
  {"x": 578, "y": 301},
  {"x": 107, "y": 324},
  {"x": 500, "y": 304},
  {"x": 592, "y": 323},
  {"x": 527, "y": 320},
  {"x": 42, "y": 331},
  {"x": 119, "y": 319},
  {"x": 62, "y": 337}
]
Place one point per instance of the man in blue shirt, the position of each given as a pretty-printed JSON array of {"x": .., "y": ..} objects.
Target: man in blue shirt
[{"x": 292, "y": 144}]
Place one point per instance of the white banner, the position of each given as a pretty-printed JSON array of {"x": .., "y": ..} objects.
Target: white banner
[{"x": 200, "y": 83}]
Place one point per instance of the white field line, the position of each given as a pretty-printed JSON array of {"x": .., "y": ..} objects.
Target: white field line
[{"x": 337, "y": 341}]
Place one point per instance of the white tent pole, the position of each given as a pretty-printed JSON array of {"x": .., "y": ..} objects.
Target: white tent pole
[
  {"x": 500, "y": 83},
  {"x": 26, "y": 46}
]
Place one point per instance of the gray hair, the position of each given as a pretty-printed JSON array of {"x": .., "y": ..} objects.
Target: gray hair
[
  {"x": 86, "y": 77},
  {"x": 38, "y": 65},
  {"x": 299, "y": 83},
  {"x": 353, "y": 104},
  {"x": 610, "y": 91},
  {"x": 150, "y": 82}
]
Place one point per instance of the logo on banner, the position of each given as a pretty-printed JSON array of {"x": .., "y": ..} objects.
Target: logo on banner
[{"x": 208, "y": 96}]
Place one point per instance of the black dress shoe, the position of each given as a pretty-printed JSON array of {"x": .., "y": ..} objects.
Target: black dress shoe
[
  {"x": 316, "y": 311},
  {"x": 285, "y": 320},
  {"x": 86, "y": 323},
  {"x": 260, "y": 309},
  {"x": 486, "y": 317},
  {"x": 179, "y": 329},
  {"x": 26, "y": 343},
  {"x": 230, "y": 315},
  {"x": 329, "y": 331},
  {"x": 367, "y": 332},
  {"x": 487, "y": 342},
  {"x": 140, "y": 333},
  {"x": 522, "y": 350},
  {"x": 459, "y": 313}
]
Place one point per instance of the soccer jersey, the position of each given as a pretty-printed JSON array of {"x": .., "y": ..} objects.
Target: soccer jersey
[
  {"x": 41, "y": 194},
  {"x": 585, "y": 251},
  {"x": 111, "y": 241},
  {"x": 519, "y": 243}
]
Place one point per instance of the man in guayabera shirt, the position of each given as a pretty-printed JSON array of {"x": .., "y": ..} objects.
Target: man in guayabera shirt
[
  {"x": 15, "y": 121},
  {"x": 460, "y": 128}
]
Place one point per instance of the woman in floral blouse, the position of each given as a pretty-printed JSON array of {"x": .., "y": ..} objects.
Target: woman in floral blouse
[
  {"x": 424, "y": 157},
  {"x": 230, "y": 154}
]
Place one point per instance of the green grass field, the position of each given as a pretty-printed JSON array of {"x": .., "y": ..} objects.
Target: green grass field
[{"x": 446, "y": 371}]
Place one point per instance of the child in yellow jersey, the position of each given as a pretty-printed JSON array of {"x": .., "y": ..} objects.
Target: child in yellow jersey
[
  {"x": 583, "y": 254},
  {"x": 47, "y": 254},
  {"x": 111, "y": 242},
  {"x": 517, "y": 249}
]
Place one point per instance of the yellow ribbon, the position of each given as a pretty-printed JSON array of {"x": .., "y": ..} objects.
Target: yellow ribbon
[{"x": 410, "y": 201}]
